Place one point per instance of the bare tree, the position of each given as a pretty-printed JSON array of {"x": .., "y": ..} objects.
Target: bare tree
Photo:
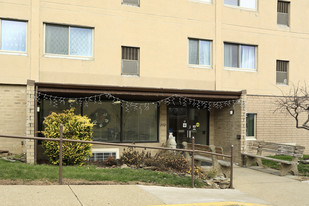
[{"x": 296, "y": 103}]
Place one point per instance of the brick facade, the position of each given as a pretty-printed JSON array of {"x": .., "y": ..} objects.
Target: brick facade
[
  {"x": 12, "y": 117},
  {"x": 275, "y": 126},
  {"x": 230, "y": 129},
  {"x": 30, "y": 127}
]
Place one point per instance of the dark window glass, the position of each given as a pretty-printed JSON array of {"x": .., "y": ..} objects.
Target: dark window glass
[
  {"x": 141, "y": 124},
  {"x": 251, "y": 118},
  {"x": 106, "y": 117}
]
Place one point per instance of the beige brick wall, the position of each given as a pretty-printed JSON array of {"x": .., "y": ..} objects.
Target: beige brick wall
[
  {"x": 30, "y": 144},
  {"x": 226, "y": 129},
  {"x": 275, "y": 126},
  {"x": 12, "y": 117}
]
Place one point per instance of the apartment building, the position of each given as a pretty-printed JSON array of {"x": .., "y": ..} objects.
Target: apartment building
[{"x": 143, "y": 68}]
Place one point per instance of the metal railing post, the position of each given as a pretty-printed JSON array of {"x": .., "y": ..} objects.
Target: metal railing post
[
  {"x": 192, "y": 162},
  {"x": 232, "y": 160},
  {"x": 60, "y": 154}
]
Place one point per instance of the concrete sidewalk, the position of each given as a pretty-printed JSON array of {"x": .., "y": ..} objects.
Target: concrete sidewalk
[
  {"x": 252, "y": 186},
  {"x": 114, "y": 195},
  {"x": 266, "y": 184}
]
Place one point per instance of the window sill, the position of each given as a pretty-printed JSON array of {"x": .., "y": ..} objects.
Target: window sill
[
  {"x": 281, "y": 84},
  {"x": 251, "y": 138},
  {"x": 283, "y": 27},
  {"x": 201, "y": 1},
  {"x": 68, "y": 57},
  {"x": 13, "y": 53},
  {"x": 130, "y": 75},
  {"x": 242, "y": 8},
  {"x": 199, "y": 66},
  {"x": 132, "y": 5},
  {"x": 239, "y": 69}
]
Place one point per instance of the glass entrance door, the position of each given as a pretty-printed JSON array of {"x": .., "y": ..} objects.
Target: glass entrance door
[{"x": 178, "y": 115}]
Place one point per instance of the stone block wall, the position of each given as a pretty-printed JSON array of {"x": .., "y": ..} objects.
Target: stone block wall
[
  {"x": 30, "y": 127},
  {"x": 275, "y": 126},
  {"x": 12, "y": 117},
  {"x": 226, "y": 129},
  {"x": 230, "y": 129}
]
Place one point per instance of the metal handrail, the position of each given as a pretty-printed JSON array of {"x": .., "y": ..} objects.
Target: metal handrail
[{"x": 61, "y": 140}]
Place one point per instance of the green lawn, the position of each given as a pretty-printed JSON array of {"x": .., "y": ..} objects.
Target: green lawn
[
  {"x": 302, "y": 168},
  {"x": 26, "y": 172}
]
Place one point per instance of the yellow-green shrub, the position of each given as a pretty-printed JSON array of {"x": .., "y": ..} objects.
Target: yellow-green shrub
[{"x": 74, "y": 127}]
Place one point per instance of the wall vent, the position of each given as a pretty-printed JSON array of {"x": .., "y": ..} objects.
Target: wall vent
[{"x": 103, "y": 154}]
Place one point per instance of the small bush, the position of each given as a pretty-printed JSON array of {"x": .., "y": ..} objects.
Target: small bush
[
  {"x": 75, "y": 127},
  {"x": 171, "y": 161},
  {"x": 163, "y": 161},
  {"x": 212, "y": 173},
  {"x": 111, "y": 161},
  {"x": 131, "y": 157}
]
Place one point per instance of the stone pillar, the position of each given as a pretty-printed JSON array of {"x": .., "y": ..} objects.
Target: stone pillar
[
  {"x": 163, "y": 124},
  {"x": 230, "y": 127},
  {"x": 243, "y": 102},
  {"x": 30, "y": 144}
]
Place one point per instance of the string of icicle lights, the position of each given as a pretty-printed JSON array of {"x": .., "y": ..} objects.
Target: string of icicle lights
[{"x": 134, "y": 106}]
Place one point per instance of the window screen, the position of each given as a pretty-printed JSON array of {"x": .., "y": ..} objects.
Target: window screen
[
  {"x": 13, "y": 35},
  {"x": 67, "y": 40}
]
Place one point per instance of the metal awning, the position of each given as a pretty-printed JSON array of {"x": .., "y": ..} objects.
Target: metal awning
[{"x": 134, "y": 93}]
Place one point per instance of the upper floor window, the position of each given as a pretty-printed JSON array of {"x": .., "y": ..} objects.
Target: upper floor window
[
  {"x": 282, "y": 69},
  {"x": 199, "y": 52},
  {"x": 240, "y": 56},
  {"x": 283, "y": 10},
  {"x": 68, "y": 40},
  {"x": 247, "y": 4},
  {"x": 131, "y": 2},
  {"x": 13, "y": 35},
  {"x": 130, "y": 61}
]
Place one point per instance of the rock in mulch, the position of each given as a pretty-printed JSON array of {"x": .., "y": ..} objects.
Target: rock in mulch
[
  {"x": 124, "y": 166},
  {"x": 304, "y": 161},
  {"x": 9, "y": 160}
]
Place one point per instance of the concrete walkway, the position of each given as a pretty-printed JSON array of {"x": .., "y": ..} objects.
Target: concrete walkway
[
  {"x": 266, "y": 184},
  {"x": 252, "y": 186}
]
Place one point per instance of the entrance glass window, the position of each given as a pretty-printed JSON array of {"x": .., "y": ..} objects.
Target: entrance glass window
[
  {"x": 178, "y": 117},
  {"x": 113, "y": 123},
  {"x": 106, "y": 117},
  {"x": 140, "y": 125}
]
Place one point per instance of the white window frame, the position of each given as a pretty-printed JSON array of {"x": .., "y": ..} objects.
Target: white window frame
[
  {"x": 239, "y": 58},
  {"x": 68, "y": 56},
  {"x": 199, "y": 65},
  {"x": 18, "y": 53},
  {"x": 202, "y": 1},
  {"x": 255, "y": 123},
  {"x": 244, "y": 8}
]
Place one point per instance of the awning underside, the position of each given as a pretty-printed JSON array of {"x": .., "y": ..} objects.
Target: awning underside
[{"x": 134, "y": 93}]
